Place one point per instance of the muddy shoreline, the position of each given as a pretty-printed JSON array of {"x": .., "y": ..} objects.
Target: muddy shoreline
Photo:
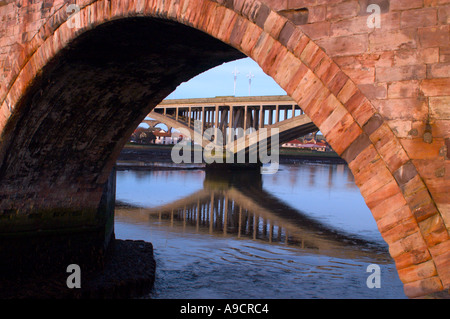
[{"x": 144, "y": 157}]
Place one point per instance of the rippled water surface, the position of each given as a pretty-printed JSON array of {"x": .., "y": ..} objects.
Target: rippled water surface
[{"x": 303, "y": 232}]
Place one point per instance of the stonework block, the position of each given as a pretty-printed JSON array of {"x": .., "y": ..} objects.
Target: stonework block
[
  {"x": 286, "y": 33},
  {"x": 409, "y": 250},
  {"x": 401, "y": 73},
  {"x": 284, "y": 66},
  {"x": 333, "y": 119},
  {"x": 356, "y": 147},
  {"x": 402, "y": 109},
  {"x": 327, "y": 73},
  {"x": 291, "y": 86},
  {"x": 405, "y": 4},
  {"x": 213, "y": 24},
  {"x": 274, "y": 24},
  {"x": 317, "y": 59},
  {"x": 436, "y": 87},
  {"x": 323, "y": 107},
  {"x": 262, "y": 47},
  {"x": 389, "y": 147},
  {"x": 392, "y": 40},
  {"x": 435, "y": 36},
  {"x": 418, "y": 149},
  {"x": 380, "y": 195},
  {"x": 418, "y": 272},
  {"x": 419, "y": 18},
  {"x": 317, "y": 13},
  {"x": 293, "y": 40},
  {"x": 250, "y": 38},
  {"x": 309, "y": 88},
  {"x": 238, "y": 31},
  {"x": 343, "y": 10},
  {"x": 300, "y": 45},
  {"x": 348, "y": 27},
  {"x": 347, "y": 45},
  {"x": 433, "y": 230},
  {"x": 423, "y": 287},
  {"x": 403, "y": 89},
  {"x": 343, "y": 134},
  {"x": 374, "y": 176},
  {"x": 308, "y": 52},
  {"x": 444, "y": 15},
  {"x": 348, "y": 90},
  {"x": 364, "y": 158},
  {"x": 271, "y": 64},
  {"x": 389, "y": 205},
  {"x": 390, "y": 224},
  {"x": 337, "y": 82},
  {"x": 360, "y": 108},
  {"x": 317, "y": 30},
  {"x": 438, "y": 70},
  {"x": 442, "y": 262}
]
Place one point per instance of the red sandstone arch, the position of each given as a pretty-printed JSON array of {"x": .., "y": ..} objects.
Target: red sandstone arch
[{"x": 406, "y": 214}]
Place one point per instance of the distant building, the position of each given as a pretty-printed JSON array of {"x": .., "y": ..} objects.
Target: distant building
[
  {"x": 163, "y": 137},
  {"x": 310, "y": 145}
]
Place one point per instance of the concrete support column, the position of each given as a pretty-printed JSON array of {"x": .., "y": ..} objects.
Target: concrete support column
[
  {"x": 277, "y": 114},
  {"x": 216, "y": 121},
  {"x": 203, "y": 119},
  {"x": 231, "y": 125},
  {"x": 245, "y": 118},
  {"x": 261, "y": 116},
  {"x": 189, "y": 117}
]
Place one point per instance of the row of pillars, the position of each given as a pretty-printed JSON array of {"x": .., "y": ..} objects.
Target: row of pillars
[
  {"x": 231, "y": 116},
  {"x": 222, "y": 213}
]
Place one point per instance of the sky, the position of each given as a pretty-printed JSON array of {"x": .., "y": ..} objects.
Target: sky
[{"x": 219, "y": 81}]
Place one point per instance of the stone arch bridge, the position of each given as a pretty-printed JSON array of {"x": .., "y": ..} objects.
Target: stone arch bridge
[{"x": 78, "y": 76}]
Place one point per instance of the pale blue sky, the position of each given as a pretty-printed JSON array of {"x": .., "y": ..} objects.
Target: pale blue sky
[{"x": 219, "y": 81}]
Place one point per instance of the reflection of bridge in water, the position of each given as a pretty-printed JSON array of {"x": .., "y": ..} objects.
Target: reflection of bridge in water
[{"x": 238, "y": 206}]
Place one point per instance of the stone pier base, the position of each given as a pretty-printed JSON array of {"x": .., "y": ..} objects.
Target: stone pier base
[{"x": 128, "y": 272}]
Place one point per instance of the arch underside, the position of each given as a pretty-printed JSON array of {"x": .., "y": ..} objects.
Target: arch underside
[
  {"x": 74, "y": 120},
  {"x": 67, "y": 128}
]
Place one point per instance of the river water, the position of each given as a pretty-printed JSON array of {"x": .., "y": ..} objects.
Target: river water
[{"x": 303, "y": 232}]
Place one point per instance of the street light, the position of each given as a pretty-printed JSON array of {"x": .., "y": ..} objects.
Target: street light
[{"x": 250, "y": 76}]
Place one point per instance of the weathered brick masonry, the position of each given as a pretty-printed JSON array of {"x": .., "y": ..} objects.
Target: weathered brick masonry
[{"x": 380, "y": 95}]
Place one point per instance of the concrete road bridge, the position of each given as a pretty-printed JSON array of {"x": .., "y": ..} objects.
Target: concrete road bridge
[
  {"x": 77, "y": 77},
  {"x": 237, "y": 120}
]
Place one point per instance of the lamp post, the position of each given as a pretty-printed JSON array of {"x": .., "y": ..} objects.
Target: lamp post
[
  {"x": 250, "y": 76},
  {"x": 235, "y": 73}
]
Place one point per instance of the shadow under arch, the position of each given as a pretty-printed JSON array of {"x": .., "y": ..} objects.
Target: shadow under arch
[{"x": 64, "y": 136}]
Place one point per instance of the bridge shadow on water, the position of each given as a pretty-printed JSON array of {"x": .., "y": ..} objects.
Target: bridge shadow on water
[{"x": 235, "y": 204}]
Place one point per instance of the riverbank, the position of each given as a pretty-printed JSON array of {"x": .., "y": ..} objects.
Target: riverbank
[{"x": 159, "y": 157}]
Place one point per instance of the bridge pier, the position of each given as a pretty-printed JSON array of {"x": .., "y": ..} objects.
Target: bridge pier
[
  {"x": 46, "y": 241},
  {"x": 233, "y": 166}
]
